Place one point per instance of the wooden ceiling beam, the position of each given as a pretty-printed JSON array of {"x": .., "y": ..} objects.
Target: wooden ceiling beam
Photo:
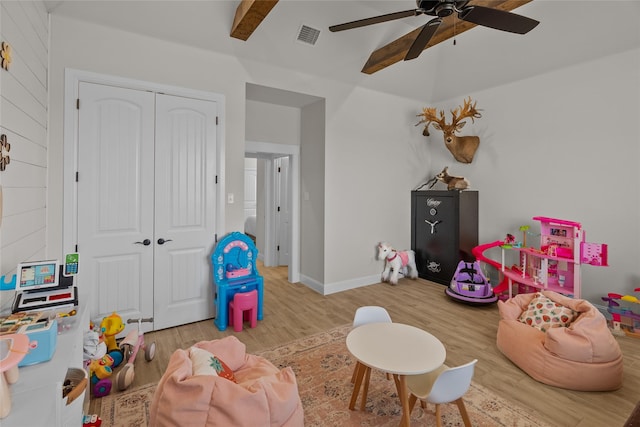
[
  {"x": 249, "y": 15},
  {"x": 397, "y": 49}
]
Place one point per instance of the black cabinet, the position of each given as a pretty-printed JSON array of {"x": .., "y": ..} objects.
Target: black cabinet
[{"x": 444, "y": 230}]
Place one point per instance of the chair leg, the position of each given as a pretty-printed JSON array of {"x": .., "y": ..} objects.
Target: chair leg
[
  {"x": 254, "y": 317},
  {"x": 237, "y": 320},
  {"x": 438, "y": 416},
  {"x": 463, "y": 412},
  {"x": 412, "y": 401}
]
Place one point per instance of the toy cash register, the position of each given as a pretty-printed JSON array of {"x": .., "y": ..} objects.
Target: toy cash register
[{"x": 42, "y": 285}]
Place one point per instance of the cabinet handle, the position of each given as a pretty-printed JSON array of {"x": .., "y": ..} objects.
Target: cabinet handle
[
  {"x": 145, "y": 242},
  {"x": 161, "y": 241}
]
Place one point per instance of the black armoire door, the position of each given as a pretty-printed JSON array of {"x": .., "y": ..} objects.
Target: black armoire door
[{"x": 444, "y": 230}]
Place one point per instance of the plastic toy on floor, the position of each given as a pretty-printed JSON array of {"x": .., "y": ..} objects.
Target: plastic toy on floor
[
  {"x": 133, "y": 342},
  {"x": 395, "y": 262},
  {"x": 100, "y": 371},
  {"x": 111, "y": 326},
  {"x": 623, "y": 314},
  {"x": 469, "y": 285}
]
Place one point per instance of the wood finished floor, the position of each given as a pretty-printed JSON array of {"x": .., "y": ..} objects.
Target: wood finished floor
[{"x": 293, "y": 311}]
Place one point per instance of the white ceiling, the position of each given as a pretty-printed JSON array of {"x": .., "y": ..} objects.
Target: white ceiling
[{"x": 570, "y": 31}]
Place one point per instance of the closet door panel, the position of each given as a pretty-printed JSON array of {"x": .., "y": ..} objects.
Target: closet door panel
[
  {"x": 185, "y": 195},
  {"x": 115, "y": 199}
]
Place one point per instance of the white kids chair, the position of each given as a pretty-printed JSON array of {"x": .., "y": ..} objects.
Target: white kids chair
[
  {"x": 369, "y": 314},
  {"x": 444, "y": 385}
]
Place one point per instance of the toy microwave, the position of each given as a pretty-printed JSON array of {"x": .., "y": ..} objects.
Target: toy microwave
[{"x": 43, "y": 336}]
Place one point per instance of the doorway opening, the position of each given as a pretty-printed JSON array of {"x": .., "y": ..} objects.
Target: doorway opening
[{"x": 277, "y": 212}]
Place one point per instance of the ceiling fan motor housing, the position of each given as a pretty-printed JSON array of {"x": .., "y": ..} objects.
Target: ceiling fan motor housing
[{"x": 440, "y": 8}]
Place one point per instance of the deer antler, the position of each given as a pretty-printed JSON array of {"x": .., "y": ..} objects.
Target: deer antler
[
  {"x": 466, "y": 110},
  {"x": 430, "y": 115}
]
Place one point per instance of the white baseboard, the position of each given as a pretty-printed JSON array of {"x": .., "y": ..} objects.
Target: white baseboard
[{"x": 332, "y": 288}]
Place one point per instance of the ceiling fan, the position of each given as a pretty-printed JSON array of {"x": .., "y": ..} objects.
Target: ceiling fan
[{"x": 480, "y": 15}]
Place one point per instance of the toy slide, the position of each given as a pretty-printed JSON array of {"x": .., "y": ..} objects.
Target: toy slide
[{"x": 478, "y": 253}]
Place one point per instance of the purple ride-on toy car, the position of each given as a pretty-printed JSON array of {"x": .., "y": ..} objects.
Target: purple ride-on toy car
[{"x": 469, "y": 285}]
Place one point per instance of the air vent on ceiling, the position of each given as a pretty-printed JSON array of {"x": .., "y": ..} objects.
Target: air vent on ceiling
[{"x": 308, "y": 35}]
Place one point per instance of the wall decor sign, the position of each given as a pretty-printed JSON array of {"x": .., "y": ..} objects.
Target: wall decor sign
[
  {"x": 4, "y": 152},
  {"x": 5, "y": 55}
]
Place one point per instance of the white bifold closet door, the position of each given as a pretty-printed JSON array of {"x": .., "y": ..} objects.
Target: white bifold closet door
[{"x": 146, "y": 204}]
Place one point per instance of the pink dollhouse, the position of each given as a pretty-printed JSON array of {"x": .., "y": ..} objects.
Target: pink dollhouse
[{"x": 555, "y": 265}]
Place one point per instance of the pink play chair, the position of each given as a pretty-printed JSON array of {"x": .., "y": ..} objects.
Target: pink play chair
[{"x": 244, "y": 305}]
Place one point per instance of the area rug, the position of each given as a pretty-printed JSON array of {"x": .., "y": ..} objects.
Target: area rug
[{"x": 323, "y": 368}]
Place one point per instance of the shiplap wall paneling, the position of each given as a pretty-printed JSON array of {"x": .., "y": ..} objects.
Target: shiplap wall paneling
[{"x": 24, "y": 119}]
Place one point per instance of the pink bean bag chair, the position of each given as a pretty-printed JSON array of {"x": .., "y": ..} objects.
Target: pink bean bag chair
[
  {"x": 583, "y": 355},
  {"x": 248, "y": 391}
]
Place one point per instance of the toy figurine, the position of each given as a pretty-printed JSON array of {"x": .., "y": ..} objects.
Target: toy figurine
[
  {"x": 100, "y": 370},
  {"x": 111, "y": 326},
  {"x": 453, "y": 182}
]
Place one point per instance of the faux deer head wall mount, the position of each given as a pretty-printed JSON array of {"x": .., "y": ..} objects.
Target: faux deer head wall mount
[{"x": 463, "y": 148}]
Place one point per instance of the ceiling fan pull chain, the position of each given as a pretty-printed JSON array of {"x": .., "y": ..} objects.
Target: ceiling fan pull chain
[{"x": 455, "y": 20}]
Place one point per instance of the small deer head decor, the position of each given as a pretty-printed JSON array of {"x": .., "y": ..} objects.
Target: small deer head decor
[
  {"x": 463, "y": 148},
  {"x": 452, "y": 182}
]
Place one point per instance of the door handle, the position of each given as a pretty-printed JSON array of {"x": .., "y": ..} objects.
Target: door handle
[
  {"x": 145, "y": 242},
  {"x": 161, "y": 241}
]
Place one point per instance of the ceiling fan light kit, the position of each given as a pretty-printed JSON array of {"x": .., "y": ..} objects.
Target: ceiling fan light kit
[{"x": 497, "y": 19}]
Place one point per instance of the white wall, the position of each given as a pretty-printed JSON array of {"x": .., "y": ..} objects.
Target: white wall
[
  {"x": 313, "y": 195},
  {"x": 272, "y": 123},
  {"x": 92, "y": 48},
  {"x": 275, "y": 124},
  {"x": 374, "y": 157},
  {"x": 564, "y": 145},
  {"x": 561, "y": 145},
  {"x": 23, "y": 119}
]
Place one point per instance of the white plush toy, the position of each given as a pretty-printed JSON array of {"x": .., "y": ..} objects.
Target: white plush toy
[
  {"x": 395, "y": 261},
  {"x": 93, "y": 347}
]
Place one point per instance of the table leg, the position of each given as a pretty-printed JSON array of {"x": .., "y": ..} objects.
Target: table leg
[
  {"x": 367, "y": 377},
  {"x": 403, "y": 395},
  {"x": 360, "y": 370}
]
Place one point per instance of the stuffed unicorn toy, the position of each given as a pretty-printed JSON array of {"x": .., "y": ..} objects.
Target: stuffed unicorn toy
[{"x": 395, "y": 261}]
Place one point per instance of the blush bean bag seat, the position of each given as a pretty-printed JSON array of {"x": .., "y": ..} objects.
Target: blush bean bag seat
[
  {"x": 261, "y": 395},
  {"x": 582, "y": 356}
]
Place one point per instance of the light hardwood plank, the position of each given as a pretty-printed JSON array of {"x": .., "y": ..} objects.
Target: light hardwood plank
[{"x": 292, "y": 311}]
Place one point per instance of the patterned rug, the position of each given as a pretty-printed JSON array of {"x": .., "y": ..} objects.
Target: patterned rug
[{"x": 323, "y": 368}]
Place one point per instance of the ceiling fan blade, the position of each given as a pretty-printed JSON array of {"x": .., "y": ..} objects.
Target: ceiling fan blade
[
  {"x": 419, "y": 44},
  {"x": 374, "y": 20},
  {"x": 498, "y": 19}
]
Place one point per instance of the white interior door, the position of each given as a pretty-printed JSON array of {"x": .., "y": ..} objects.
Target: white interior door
[
  {"x": 146, "y": 203},
  {"x": 250, "y": 187},
  {"x": 185, "y": 209},
  {"x": 283, "y": 212},
  {"x": 115, "y": 199}
]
